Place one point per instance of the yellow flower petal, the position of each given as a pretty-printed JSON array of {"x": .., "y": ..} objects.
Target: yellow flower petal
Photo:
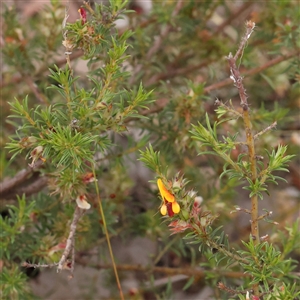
[
  {"x": 175, "y": 208},
  {"x": 163, "y": 209},
  {"x": 165, "y": 194}
]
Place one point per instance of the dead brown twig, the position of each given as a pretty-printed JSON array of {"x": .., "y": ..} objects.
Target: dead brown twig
[
  {"x": 59, "y": 62},
  {"x": 165, "y": 270},
  {"x": 237, "y": 79},
  {"x": 253, "y": 71},
  {"x": 158, "y": 42},
  {"x": 18, "y": 179},
  {"x": 228, "y": 81},
  {"x": 70, "y": 244},
  {"x": 34, "y": 187},
  {"x": 235, "y": 15}
]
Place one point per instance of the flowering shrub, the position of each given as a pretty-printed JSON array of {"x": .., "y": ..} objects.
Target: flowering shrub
[{"x": 91, "y": 99}]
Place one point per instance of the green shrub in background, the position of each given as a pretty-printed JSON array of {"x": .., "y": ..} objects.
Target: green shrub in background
[{"x": 149, "y": 94}]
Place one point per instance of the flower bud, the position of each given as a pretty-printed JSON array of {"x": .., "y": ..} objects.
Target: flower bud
[
  {"x": 82, "y": 13},
  {"x": 185, "y": 214}
]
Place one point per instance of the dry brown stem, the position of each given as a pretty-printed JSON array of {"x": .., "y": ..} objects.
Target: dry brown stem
[
  {"x": 70, "y": 241},
  {"x": 32, "y": 188},
  {"x": 223, "y": 83},
  {"x": 10, "y": 183},
  {"x": 235, "y": 15},
  {"x": 273, "y": 125},
  {"x": 238, "y": 82},
  {"x": 253, "y": 71},
  {"x": 159, "y": 40},
  {"x": 165, "y": 270}
]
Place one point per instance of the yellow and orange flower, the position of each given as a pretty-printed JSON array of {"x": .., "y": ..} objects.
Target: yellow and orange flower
[{"x": 169, "y": 204}]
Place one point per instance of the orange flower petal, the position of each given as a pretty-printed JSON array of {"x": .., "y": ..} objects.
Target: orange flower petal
[{"x": 165, "y": 194}]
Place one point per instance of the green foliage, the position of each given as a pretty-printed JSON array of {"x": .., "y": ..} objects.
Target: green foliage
[
  {"x": 13, "y": 226},
  {"x": 151, "y": 159},
  {"x": 78, "y": 127},
  {"x": 13, "y": 284},
  {"x": 241, "y": 169},
  {"x": 265, "y": 265}
]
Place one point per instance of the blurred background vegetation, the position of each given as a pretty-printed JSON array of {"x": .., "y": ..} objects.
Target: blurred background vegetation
[{"x": 178, "y": 49}]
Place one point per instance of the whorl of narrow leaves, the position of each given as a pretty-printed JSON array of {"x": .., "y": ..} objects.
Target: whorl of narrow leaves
[
  {"x": 78, "y": 138},
  {"x": 151, "y": 159}
]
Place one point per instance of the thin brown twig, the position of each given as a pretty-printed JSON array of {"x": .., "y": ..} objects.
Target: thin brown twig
[
  {"x": 59, "y": 62},
  {"x": 253, "y": 71},
  {"x": 231, "y": 291},
  {"x": 238, "y": 82},
  {"x": 249, "y": 30},
  {"x": 73, "y": 260},
  {"x": 140, "y": 268},
  {"x": 70, "y": 241},
  {"x": 267, "y": 214},
  {"x": 158, "y": 42},
  {"x": 20, "y": 177},
  {"x": 176, "y": 72},
  {"x": 35, "y": 89},
  {"x": 33, "y": 187},
  {"x": 155, "y": 78},
  {"x": 235, "y": 15},
  {"x": 166, "y": 270},
  {"x": 238, "y": 209},
  {"x": 274, "y": 124},
  {"x": 228, "y": 81},
  {"x": 29, "y": 265}
]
